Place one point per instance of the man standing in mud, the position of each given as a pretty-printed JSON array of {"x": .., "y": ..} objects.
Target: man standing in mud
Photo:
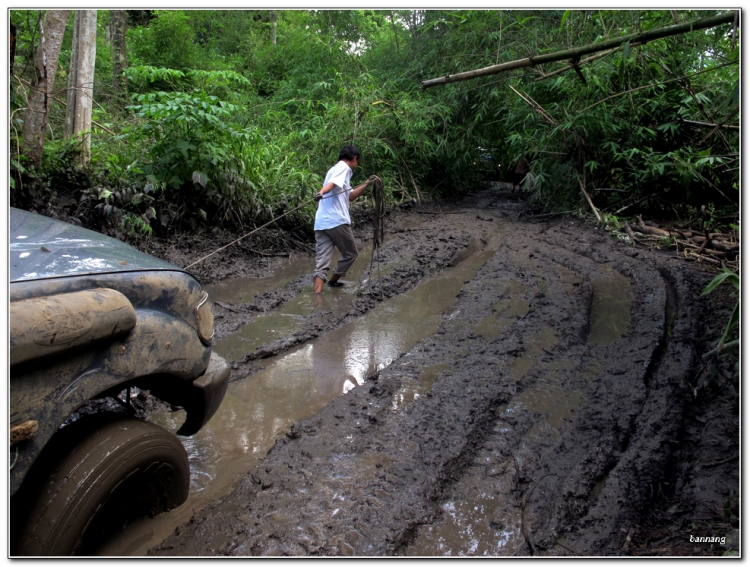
[{"x": 333, "y": 225}]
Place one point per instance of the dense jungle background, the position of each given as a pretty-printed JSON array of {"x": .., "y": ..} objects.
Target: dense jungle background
[{"x": 225, "y": 118}]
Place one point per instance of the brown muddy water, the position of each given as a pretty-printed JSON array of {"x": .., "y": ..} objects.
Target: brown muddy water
[
  {"x": 292, "y": 315},
  {"x": 258, "y": 410}
]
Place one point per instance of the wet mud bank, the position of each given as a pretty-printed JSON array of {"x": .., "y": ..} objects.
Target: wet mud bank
[{"x": 547, "y": 410}]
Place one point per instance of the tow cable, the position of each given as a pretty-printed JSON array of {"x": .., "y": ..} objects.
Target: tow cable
[{"x": 378, "y": 198}]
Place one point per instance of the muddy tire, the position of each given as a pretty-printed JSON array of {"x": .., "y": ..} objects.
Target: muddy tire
[{"x": 98, "y": 480}]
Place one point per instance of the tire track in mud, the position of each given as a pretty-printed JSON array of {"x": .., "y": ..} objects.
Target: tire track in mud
[
  {"x": 643, "y": 385},
  {"x": 509, "y": 404}
]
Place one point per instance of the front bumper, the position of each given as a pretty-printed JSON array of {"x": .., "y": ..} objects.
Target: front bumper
[{"x": 205, "y": 395}]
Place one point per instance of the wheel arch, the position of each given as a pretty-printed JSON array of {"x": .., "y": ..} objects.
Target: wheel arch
[{"x": 161, "y": 352}]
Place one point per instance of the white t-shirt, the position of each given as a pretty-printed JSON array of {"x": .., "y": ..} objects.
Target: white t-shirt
[{"x": 333, "y": 209}]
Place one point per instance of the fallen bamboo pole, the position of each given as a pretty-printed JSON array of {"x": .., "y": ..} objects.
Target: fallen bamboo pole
[
  {"x": 581, "y": 62},
  {"x": 577, "y": 52}
]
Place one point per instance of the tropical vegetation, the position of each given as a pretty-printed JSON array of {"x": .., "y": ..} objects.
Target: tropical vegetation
[{"x": 225, "y": 118}]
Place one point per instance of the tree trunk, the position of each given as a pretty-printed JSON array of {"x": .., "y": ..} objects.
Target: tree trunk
[
  {"x": 119, "y": 52},
  {"x": 45, "y": 67},
  {"x": 395, "y": 33},
  {"x": 273, "y": 19},
  {"x": 12, "y": 47},
  {"x": 81, "y": 81}
]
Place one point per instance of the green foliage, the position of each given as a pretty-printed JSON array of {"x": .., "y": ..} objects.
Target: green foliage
[
  {"x": 734, "y": 279},
  {"x": 190, "y": 136},
  {"x": 146, "y": 77},
  {"x": 725, "y": 347},
  {"x": 224, "y": 84},
  {"x": 227, "y": 127},
  {"x": 168, "y": 41}
]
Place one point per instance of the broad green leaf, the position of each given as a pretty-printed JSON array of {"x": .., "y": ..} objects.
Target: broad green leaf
[
  {"x": 564, "y": 18},
  {"x": 719, "y": 279}
]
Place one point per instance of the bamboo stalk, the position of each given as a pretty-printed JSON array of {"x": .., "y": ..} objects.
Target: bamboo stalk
[
  {"x": 717, "y": 126},
  {"x": 593, "y": 208},
  {"x": 419, "y": 196},
  {"x": 710, "y": 125},
  {"x": 535, "y": 106},
  {"x": 576, "y": 53},
  {"x": 542, "y": 109}
]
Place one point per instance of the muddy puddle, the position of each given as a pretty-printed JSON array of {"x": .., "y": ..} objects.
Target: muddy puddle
[
  {"x": 258, "y": 410},
  {"x": 242, "y": 290},
  {"x": 610, "y": 307},
  {"x": 292, "y": 316}
]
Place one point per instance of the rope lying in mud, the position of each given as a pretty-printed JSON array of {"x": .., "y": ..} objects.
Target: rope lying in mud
[
  {"x": 257, "y": 229},
  {"x": 378, "y": 197},
  {"x": 378, "y": 227}
]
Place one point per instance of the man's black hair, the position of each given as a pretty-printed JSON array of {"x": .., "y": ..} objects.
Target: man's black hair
[{"x": 349, "y": 153}]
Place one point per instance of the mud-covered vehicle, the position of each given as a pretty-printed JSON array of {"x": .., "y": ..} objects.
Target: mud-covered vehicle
[{"x": 92, "y": 318}]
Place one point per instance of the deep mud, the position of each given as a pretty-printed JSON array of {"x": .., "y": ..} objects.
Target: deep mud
[{"x": 552, "y": 412}]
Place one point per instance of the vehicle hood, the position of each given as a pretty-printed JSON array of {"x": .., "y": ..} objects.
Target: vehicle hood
[{"x": 41, "y": 247}]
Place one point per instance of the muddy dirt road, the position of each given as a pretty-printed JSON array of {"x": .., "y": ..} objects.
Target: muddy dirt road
[{"x": 491, "y": 386}]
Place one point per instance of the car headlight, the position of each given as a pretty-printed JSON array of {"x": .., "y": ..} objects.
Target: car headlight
[{"x": 204, "y": 317}]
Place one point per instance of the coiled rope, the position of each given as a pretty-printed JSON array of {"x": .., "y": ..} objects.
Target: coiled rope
[
  {"x": 378, "y": 228},
  {"x": 378, "y": 198}
]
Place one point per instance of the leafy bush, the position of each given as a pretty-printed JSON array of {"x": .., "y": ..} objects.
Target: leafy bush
[
  {"x": 191, "y": 140},
  {"x": 168, "y": 41},
  {"x": 719, "y": 359}
]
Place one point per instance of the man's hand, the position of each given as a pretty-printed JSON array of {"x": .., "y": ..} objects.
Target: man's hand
[
  {"x": 371, "y": 180},
  {"x": 317, "y": 197}
]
